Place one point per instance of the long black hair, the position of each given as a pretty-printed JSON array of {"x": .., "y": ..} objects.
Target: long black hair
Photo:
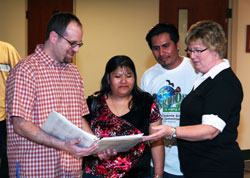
[{"x": 112, "y": 65}]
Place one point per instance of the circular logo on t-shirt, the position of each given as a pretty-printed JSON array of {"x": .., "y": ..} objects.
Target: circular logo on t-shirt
[{"x": 169, "y": 99}]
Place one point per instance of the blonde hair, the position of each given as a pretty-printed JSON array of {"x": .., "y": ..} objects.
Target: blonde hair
[{"x": 210, "y": 34}]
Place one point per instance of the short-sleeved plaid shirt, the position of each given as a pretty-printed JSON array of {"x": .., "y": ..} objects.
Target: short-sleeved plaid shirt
[{"x": 36, "y": 86}]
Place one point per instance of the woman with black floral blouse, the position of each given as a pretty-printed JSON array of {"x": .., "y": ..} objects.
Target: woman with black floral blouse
[{"x": 121, "y": 108}]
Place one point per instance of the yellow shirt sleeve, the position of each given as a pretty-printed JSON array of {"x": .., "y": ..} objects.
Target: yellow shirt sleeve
[{"x": 9, "y": 57}]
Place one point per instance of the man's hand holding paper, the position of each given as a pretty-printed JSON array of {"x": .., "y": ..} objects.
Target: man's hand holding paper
[{"x": 58, "y": 126}]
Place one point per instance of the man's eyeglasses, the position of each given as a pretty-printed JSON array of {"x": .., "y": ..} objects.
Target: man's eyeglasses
[
  {"x": 72, "y": 44},
  {"x": 195, "y": 51}
]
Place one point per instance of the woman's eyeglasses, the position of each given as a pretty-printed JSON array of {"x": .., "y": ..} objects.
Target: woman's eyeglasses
[{"x": 195, "y": 51}]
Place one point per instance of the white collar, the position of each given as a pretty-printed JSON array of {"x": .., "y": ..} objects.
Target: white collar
[{"x": 212, "y": 72}]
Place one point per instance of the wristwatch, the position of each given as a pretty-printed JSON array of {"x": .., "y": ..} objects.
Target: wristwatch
[{"x": 174, "y": 132}]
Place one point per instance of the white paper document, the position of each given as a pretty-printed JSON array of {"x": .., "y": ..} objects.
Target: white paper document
[{"x": 58, "y": 126}]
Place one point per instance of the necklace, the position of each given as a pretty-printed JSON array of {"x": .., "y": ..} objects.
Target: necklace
[{"x": 119, "y": 108}]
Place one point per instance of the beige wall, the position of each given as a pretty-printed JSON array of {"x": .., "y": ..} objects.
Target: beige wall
[
  {"x": 114, "y": 27},
  {"x": 12, "y": 24},
  {"x": 241, "y": 60}
]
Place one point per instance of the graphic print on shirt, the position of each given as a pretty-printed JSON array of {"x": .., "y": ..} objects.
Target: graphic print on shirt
[{"x": 169, "y": 100}]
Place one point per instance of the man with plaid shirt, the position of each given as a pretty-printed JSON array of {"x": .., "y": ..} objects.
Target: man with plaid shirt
[{"x": 42, "y": 82}]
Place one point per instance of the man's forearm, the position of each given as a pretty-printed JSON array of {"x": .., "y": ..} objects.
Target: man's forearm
[{"x": 32, "y": 132}]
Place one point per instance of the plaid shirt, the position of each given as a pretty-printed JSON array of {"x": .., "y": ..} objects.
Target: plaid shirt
[{"x": 36, "y": 86}]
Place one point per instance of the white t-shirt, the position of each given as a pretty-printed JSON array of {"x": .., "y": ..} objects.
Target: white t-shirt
[{"x": 170, "y": 87}]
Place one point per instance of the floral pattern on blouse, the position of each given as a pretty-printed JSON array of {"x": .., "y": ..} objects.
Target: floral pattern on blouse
[{"x": 105, "y": 124}]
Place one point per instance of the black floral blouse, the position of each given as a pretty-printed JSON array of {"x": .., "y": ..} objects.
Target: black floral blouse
[{"x": 105, "y": 124}]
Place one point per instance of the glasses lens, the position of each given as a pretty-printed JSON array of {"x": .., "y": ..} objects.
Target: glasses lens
[
  {"x": 80, "y": 44},
  {"x": 75, "y": 44}
]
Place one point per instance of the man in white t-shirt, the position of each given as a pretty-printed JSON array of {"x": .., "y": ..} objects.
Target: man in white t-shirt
[{"x": 169, "y": 81}]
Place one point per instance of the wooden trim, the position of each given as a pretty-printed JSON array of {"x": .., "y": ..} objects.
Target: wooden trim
[{"x": 248, "y": 39}]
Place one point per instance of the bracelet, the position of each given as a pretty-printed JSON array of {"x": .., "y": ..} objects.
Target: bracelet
[{"x": 155, "y": 175}]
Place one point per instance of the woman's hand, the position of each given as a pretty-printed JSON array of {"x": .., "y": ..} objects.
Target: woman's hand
[
  {"x": 161, "y": 131},
  {"x": 191, "y": 133},
  {"x": 107, "y": 153}
]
